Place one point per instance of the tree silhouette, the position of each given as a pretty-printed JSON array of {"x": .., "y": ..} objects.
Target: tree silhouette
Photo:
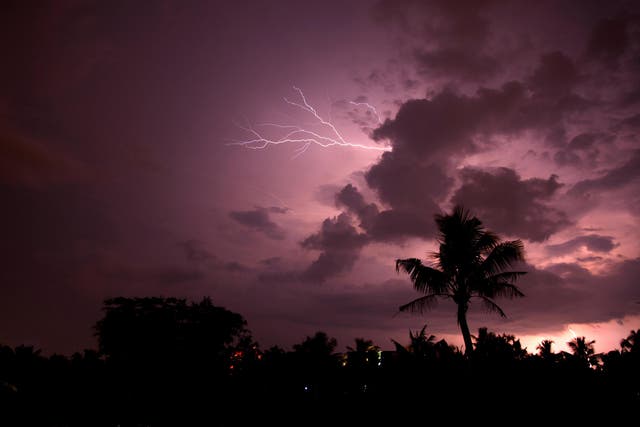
[
  {"x": 319, "y": 345},
  {"x": 583, "y": 351},
  {"x": 364, "y": 354},
  {"x": 153, "y": 328},
  {"x": 498, "y": 348},
  {"x": 631, "y": 344},
  {"x": 470, "y": 263},
  {"x": 545, "y": 351},
  {"x": 363, "y": 346},
  {"x": 420, "y": 345},
  {"x": 171, "y": 354}
]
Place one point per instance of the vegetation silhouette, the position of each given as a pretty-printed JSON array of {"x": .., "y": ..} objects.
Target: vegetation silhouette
[
  {"x": 471, "y": 262},
  {"x": 545, "y": 352},
  {"x": 168, "y": 362},
  {"x": 583, "y": 351}
]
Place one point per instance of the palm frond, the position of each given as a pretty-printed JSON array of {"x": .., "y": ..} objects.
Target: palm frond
[
  {"x": 424, "y": 278},
  {"x": 490, "y": 305},
  {"x": 501, "y": 284},
  {"x": 487, "y": 241},
  {"x": 505, "y": 289},
  {"x": 421, "y": 304},
  {"x": 503, "y": 256},
  {"x": 399, "y": 347},
  {"x": 507, "y": 276}
]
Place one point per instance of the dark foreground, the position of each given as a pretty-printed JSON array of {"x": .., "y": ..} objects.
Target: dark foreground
[
  {"x": 291, "y": 391},
  {"x": 166, "y": 362}
]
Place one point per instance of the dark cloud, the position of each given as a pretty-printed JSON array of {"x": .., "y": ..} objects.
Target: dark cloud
[
  {"x": 554, "y": 297},
  {"x": 609, "y": 39},
  {"x": 278, "y": 209},
  {"x": 568, "y": 293},
  {"x": 450, "y": 39},
  {"x": 445, "y": 123},
  {"x": 429, "y": 130},
  {"x": 583, "y": 141},
  {"x": 583, "y": 149},
  {"x": 590, "y": 258},
  {"x": 457, "y": 62},
  {"x": 386, "y": 225},
  {"x": 508, "y": 204},
  {"x": 272, "y": 261},
  {"x": 425, "y": 135},
  {"x": 236, "y": 267},
  {"x": 259, "y": 220},
  {"x": 593, "y": 242},
  {"x": 351, "y": 198},
  {"x": 403, "y": 182},
  {"x": 340, "y": 244},
  {"x": 630, "y": 98},
  {"x": 412, "y": 178},
  {"x": 632, "y": 121},
  {"x": 555, "y": 77},
  {"x": 566, "y": 157},
  {"x": 196, "y": 251},
  {"x": 612, "y": 179}
]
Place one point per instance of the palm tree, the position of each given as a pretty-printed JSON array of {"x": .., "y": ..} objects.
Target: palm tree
[
  {"x": 545, "y": 351},
  {"x": 419, "y": 343},
  {"x": 470, "y": 263},
  {"x": 363, "y": 346},
  {"x": 583, "y": 350},
  {"x": 631, "y": 344},
  {"x": 365, "y": 353}
]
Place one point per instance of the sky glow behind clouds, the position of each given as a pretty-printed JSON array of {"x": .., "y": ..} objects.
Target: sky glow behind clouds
[{"x": 117, "y": 177}]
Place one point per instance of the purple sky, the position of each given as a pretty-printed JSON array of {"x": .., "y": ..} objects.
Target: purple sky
[{"x": 119, "y": 174}]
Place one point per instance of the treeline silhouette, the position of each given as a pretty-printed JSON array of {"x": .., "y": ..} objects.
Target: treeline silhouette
[{"x": 166, "y": 361}]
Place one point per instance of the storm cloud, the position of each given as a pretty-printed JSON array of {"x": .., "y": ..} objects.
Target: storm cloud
[
  {"x": 511, "y": 205},
  {"x": 259, "y": 220}
]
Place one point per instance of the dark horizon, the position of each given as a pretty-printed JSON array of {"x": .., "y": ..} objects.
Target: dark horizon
[{"x": 163, "y": 361}]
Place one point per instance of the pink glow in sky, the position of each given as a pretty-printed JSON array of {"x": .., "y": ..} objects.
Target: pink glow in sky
[{"x": 117, "y": 176}]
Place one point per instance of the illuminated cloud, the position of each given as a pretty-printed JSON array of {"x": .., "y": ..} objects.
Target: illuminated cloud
[
  {"x": 114, "y": 132},
  {"x": 593, "y": 242}
]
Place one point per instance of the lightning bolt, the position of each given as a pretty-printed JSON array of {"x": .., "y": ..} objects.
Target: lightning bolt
[
  {"x": 301, "y": 136},
  {"x": 369, "y": 107}
]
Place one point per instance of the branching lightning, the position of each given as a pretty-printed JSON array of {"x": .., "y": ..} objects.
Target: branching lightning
[
  {"x": 369, "y": 107},
  {"x": 302, "y": 136}
]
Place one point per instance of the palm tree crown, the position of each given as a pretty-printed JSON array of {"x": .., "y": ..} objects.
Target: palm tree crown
[
  {"x": 631, "y": 344},
  {"x": 544, "y": 349},
  {"x": 471, "y": 262}
]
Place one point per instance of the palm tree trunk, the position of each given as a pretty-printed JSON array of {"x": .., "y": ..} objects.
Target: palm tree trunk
[{"x": 464, "y": 328}]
